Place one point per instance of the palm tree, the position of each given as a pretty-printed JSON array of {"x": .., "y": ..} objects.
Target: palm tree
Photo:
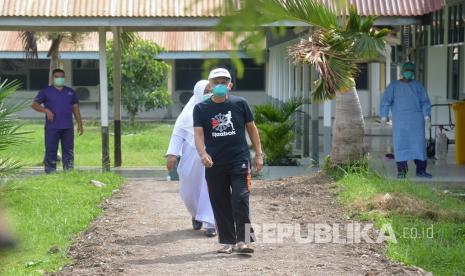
[
  {"x": 29, "y": 40},
  {"x": 10, "y": 133},
  {"x": 339, "y": 40}
]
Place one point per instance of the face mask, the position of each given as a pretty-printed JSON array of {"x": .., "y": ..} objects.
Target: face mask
[
  {"x": 220, "y": 90},
  {"x": 408, "y": 75},
  {"x": 59, "y": 82},
  {"x": 206, "y": 96}
]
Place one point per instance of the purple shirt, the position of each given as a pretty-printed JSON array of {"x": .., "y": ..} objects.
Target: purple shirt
[{"x": 60, "y": 102}]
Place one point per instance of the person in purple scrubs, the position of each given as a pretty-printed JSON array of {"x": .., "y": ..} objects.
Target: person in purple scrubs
[{"x": 59, "y": 103}]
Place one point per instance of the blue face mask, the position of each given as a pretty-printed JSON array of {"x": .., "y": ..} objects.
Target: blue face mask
[
  {"x": 59, "y": 81},
  {"x": 220, "y": 90},
  {"x": 408, "y": 75},
  {"x": 206, "y": 96}
]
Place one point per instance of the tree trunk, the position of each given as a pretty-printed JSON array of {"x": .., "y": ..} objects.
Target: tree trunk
[
  {"x": 54, "y": 64},
  {"x": 348, "y": 129},
  {"x": 54, "y": 55},
  {"x": 132, "y": 117}
]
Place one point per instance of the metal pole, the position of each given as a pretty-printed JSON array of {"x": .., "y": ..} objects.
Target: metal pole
[
  {"x": 104, "y": 100},
  {"x": 327, "y": 122},
  {"x": 315, "y": 124},
  {"x": 117, "y": 94}
]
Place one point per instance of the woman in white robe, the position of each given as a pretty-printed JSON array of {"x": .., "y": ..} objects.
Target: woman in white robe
[{"x": 193, "y": 187}]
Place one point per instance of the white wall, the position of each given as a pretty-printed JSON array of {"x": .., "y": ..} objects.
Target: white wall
[{"x": 436, "y": 77}]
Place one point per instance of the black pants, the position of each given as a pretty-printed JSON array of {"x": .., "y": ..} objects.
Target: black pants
[
  {"x": 229, "y": 189},
  {"x": 421, "y": 166}
]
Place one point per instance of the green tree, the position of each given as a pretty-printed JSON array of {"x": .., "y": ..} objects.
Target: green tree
[
  {"x": 143, "y": 77},
  {"x": 10, "y": 133},
  {"x": 336, "y": 43},
  {"x": 277, "y": 130}
]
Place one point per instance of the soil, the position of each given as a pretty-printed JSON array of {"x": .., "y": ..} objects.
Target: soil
[{"x": 145, "y": 230}]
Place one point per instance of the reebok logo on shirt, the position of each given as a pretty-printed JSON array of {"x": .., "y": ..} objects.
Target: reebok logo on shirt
[{"x": 221, "y": 123}]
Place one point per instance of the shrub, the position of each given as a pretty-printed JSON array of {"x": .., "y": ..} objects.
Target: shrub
[{"x": 277, "y": 130}]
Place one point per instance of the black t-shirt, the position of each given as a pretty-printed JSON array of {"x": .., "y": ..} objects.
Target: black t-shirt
[{"x": 224, "y": 128}]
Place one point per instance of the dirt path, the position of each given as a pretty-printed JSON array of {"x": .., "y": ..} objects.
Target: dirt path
[{"x": 147, "y": 231}]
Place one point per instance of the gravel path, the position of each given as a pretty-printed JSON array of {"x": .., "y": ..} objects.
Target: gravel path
[{"x": 147, "y": 231}]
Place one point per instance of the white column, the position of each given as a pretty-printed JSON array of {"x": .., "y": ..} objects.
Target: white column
[
  {"x": 103, "y": 79},
  {"x": 327, "y": 122},
  {"x": 104, "y": 100},
  {"x": 291, "y": 81},
  {"x": 374, "y": 76},
  {"x": 388, "y": 64}
]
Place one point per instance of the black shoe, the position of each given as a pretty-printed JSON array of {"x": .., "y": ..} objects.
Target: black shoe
[
  {"x": 197, "y": 225},
  {"x": 210, "y": 232},
  {"x": 401, "y": 175},
  {"x": 424, "y": 175}
]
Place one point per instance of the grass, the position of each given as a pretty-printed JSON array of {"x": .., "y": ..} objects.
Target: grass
[
  {"x": 143, "y": 144},
  {"x": 429, "y": 226},
  {"x": 48, "y": 211}
]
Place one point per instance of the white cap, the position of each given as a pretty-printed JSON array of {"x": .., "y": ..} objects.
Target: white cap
[{"x": 219, "y": 72}]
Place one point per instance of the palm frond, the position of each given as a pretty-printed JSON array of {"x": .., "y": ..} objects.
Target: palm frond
[
  {"x": 8, "y": 87},
  {"x": 10, "y": 133},
  {"x": 331, "y": 55},
  {"x": 29, "y": 42},
  {"x": 267, "y": 113},
  {"x": 291, "y": 107},
  {"x": 9, "y": 167},
  {"x": 127, "y": 40},
  {"x": 315, "y": 13}
]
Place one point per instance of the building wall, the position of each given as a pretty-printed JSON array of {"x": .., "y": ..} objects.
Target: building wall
[
  {"x": 442, "y": 49},
  {"x": 90, "y": 108}
]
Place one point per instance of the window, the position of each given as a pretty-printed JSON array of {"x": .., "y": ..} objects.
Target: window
[
  {"x": 188, "y": 72},
  {"x": 420, "y": 61},
  {"x": 85, "y": 72},
  {"x": 21, "y": 78},
  {"x": 38, "y": 73},
  {"x": 361, "y": 81},
  {"x": 455, "y": 19},
  {"x": 38, "y": 78},
  {"x": 33, "y": 74},
  {"x": 254, "y": 77},
  {"x": 421, "y": 35},
  {"x": 12, "y": 69},
  {"x": 437, "y": 28},
  {"x": 394, "y": 75},
  {"x": 454, "y": 72}
]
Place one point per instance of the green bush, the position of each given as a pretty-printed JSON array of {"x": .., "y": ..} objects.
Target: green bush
[
  {"x": 143, "y": 77},
  {"x": 10, "y": 133},
  {"x": 277, "y": 130}
]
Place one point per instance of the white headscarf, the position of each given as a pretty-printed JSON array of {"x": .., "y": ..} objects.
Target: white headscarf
[{"x": 184, "y": 125}]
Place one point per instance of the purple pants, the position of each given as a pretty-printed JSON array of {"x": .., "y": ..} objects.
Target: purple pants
[{"x": 52, "y": 138}]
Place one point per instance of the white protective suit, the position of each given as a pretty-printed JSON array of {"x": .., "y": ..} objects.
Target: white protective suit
[{"x": 193, "y": 187}]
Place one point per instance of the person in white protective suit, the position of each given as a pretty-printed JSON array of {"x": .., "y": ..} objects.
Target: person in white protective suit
[{"x": 193, "y": 187}]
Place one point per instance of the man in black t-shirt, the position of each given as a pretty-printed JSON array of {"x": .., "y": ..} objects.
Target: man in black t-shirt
[{"x": 220, "y": 123}]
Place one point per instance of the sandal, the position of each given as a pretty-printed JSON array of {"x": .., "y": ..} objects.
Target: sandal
[
  {"x": 227, "y": 249},
  {"x": 242, "y": 247}
]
